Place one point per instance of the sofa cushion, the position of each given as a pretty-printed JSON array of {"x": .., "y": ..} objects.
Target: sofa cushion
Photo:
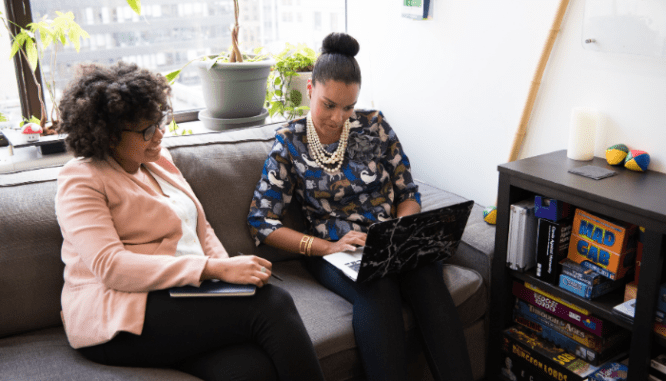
[{"x": 46, "y": 355}]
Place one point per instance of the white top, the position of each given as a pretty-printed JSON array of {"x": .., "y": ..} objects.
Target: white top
[{"x": 184, "y": 207}]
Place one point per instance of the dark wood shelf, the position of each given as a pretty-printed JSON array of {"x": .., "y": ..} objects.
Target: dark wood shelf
[{"x": 628, "y": 196}]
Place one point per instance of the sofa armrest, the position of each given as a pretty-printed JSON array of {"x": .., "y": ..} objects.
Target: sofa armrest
[{"x": 478, "y": 241}]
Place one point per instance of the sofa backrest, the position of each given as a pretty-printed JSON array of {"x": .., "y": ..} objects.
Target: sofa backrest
[
  {"x": 31, "y": 271},
  {"x": 222, "y": 168}
]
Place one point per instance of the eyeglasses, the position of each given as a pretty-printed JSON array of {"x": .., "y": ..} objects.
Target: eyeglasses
[{"x": 149, "y": 131}]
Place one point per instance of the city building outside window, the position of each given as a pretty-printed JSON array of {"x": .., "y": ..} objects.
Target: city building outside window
[{"x": 168, "y": 34}]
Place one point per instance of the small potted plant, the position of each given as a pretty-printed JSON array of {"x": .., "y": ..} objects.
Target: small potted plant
[
  {"x": 234, "y": 84},
  {"x": 287, "y": 84}
]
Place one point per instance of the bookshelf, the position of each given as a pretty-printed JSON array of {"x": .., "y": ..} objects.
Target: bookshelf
[{"x": 629, "y": 196}]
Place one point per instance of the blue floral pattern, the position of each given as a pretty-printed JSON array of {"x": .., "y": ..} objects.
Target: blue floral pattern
[{"x": 375, "y": 177}]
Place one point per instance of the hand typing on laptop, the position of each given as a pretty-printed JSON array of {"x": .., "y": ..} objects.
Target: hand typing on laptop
[{"x": 349, "y": 242}]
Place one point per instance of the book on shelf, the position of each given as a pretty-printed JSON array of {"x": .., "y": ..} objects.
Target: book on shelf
[
  {"x": 606, "y": 244},
  {"x": 551, "y": 361},
  {"x": 521, "y": 246},
  {"x": 586, "y": 290},
  {"x": 563, "y": 341},
  {"x": 586, "y": 322},
  {"x": 552, "y": 245}
]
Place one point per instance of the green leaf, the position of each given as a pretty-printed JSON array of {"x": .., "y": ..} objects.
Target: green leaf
[
  {"x": 19, "y": 41},
  {"x": 3, "y": 118},
  {"x": 171, "y": 77},
  {"x": 296, "y": 97},
  {"x": 34, "y": 119},
  {"x": 31, "y": 53},
  {"x": 135, "y": 5}
]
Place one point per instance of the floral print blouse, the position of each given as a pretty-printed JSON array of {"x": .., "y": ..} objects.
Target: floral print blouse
[{"x": 374, "y": 178}]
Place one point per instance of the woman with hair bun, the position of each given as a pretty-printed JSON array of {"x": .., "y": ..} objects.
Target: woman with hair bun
[
  {"x": 348, "y": 170},
  {"x": 132, "y": 228}
]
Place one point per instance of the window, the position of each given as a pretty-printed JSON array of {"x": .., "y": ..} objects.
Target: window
[
  {"x": 170, "y": 33},
  {"x": 10, "y": 103}
]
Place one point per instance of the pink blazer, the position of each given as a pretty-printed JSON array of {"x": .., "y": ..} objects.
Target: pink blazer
[{"x": 120, "y": 238}]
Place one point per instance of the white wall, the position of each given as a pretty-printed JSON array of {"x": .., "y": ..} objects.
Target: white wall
[{"x": 454, "y": 87}]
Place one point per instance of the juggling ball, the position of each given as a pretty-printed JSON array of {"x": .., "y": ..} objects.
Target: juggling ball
[
  {"x": 490, "y": 215},
  {"x": 616, "y": 154},
  {"x": 637, "y": 160}
]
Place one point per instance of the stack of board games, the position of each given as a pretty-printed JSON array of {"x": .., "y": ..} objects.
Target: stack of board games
[
  {"x": 604, "y": 246},
  {"x": 587, "y": 337},
  {"x": 586, "y": 282},
  {"x": 553, "y": 234},
  {"x": 543, "y": 359}
]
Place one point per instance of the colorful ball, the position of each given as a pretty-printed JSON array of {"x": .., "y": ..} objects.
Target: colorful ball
[
  {"x": 637, "y": 160},
  {"x": 490, "y": 215},
  {"x": 616, "y": 154}
]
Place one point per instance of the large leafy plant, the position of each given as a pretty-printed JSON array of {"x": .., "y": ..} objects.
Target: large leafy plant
[{"x": 281, "y": 99}]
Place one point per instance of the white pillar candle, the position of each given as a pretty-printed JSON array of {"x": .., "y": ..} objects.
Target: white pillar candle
[{"x": 582, "y": 130}]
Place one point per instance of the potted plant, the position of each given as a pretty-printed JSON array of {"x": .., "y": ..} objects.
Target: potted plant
[
  {"x": 234, "y": 84},
  {"x": 287, "y": 84},
  {"x": 60, "y": 31}
]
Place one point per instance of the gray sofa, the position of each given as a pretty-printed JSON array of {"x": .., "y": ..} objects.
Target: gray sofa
[{"x": 223, "y": 169}]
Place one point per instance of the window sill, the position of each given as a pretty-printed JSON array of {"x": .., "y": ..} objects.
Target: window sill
[{"x": 26, "y": 157}]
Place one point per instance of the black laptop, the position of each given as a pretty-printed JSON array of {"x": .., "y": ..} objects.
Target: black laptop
[{"x": 405, "y": 243}]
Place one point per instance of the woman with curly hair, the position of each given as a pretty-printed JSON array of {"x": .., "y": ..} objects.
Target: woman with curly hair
[
  {"x": 348, "y": 170},
  {"x": 133, "y": 228}
]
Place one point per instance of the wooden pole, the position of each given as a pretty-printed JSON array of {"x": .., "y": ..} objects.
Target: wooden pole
[{"x": 536, "y": 81}]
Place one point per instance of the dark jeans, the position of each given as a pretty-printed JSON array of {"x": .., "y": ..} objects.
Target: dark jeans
[
  {"x": 379, "y": 326},
  {"x": 228, "y": 338}
]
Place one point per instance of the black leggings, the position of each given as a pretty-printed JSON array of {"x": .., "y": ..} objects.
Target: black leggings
[{"x": 228, "y": 338}]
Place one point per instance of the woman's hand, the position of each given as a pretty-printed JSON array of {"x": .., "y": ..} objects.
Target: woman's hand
[
  {"x": 349, "y": 242},
  {"x": 242, "y": 269}
]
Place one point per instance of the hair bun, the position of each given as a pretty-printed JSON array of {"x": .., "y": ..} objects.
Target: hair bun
[{"x": 340, "y": 43}]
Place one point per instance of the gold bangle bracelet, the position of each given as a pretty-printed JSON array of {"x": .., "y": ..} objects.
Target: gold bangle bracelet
[
  {"x": 302, "y": 246},
  {"x": 308, "y": 251}
]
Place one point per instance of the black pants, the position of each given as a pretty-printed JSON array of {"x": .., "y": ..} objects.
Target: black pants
[
  {"x": 228, "y": 338},
  {"x": 379, "y": 326}
]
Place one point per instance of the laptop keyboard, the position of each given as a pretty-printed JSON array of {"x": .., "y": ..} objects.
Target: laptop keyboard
[{"x": 354, "y": 265}]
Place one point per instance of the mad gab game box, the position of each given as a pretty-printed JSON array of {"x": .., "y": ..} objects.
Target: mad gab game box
[{"x": 606, "y": 247}]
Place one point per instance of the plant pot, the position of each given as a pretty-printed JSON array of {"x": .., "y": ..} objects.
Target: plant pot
[
  {"x": 234, "y": 90},
  {"x": 220, "y": 124},
  {"x": 299, "y": 82}
]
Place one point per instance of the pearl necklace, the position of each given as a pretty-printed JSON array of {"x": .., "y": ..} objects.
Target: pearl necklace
[{"x": 330, "y": 162}]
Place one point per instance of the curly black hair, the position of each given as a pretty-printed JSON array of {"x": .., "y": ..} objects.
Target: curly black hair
[
  {"x": 102, "y": 100},
  {"x": 337, "y": 61}
]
